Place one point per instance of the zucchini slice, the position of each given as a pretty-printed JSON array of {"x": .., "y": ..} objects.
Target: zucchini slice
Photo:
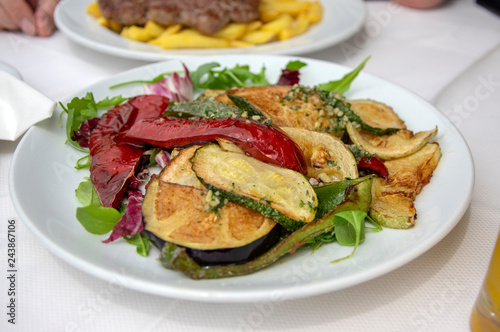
[
  {"x": 179, "y": 169},
  {"x": 180, "y": 214},
  {"x": 327, "y": 158},
  {"x": 279, "y": 193},
  {"x": 376, "y": 114},
  {"x": 392, "y": 204},
  {"x": 387, "y": 147}
]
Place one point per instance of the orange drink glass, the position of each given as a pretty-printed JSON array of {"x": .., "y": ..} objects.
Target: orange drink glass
[{"x": 486, "y": 313}]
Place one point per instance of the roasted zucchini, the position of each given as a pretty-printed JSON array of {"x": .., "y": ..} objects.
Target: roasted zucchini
[
  {"x": 276, "y": 192},
  {"x": 397, "y": 145},
  {"x": 327, "y": 158},
  {"x": 179, "y": 169},
  {"x": 376, "y": 114},
  {"x": 392, "y": 204}
]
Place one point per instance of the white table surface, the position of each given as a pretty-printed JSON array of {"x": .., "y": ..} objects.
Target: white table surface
[{"x": 447, "y": 56}]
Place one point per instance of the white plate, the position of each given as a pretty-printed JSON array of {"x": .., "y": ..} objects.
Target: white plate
[
  {"x": 342, "y": 18},
  {"x": 42, "y": 183}
]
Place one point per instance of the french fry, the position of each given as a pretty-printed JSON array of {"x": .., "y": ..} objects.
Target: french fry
[
  {"x": 103, "y": 21},
  {"x": 170, "y": 30},
  {"x": 239, "y": 44},
  {"x": 301, "y": 25},
  {"x": 187, "y": 39},
  {"x": 153, "y": 29},
  {"x": 253, "y": 26},
  {"x": 93, "y": 9},
  {"x": 115, "y": 26},
  {"x": 315, "y": 12},
  {"x": 259, "y": 37},
  {"x": 136, "y": 33},
  {"x": 282, "y": 22},
  {"x": 293, "y": 8},
  {"x": 232, "y": 31},
  {"x": 268, "y": 15}
]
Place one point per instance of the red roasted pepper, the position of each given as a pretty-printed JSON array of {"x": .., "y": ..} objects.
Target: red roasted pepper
[
  {"x": 112, "y": 159},
  {"x": 263, "y": 142},
  {"x": 373, "y": 164}
]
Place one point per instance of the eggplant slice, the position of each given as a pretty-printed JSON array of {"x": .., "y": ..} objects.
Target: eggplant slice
[{"x": 185, "y": 215}]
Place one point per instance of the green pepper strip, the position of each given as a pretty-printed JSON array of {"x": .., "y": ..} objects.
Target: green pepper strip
[{"x": 358, "y": 198}]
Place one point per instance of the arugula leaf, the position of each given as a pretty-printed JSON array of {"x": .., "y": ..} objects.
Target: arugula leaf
[
  {"x": 295, "y": 65},
  {"x": 86, "y": 193},
  {"x": 156, "y": 79},
  {"x": 141, "y": 242},
  {"x": 344, "y": 84},
  {"x": 110, "y": 102},
  {"x": 207, "y": 77},
  {"x": 201, "y": 71},
  {"x": 97, "y": 220},
  {"x": 80, "y": 109},
  {"x": 83, "y": 162},
  {"x": 350, "y": 229}
]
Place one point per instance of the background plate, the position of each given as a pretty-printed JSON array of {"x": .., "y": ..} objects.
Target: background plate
[
  {"x": 341, "y": 19},
  {"x": 43, "y": 179}
]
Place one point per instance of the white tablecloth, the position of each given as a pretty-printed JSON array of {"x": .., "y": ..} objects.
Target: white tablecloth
[{"x": 450, "y": 56}]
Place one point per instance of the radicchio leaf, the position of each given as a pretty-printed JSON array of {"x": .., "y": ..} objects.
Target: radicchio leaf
[
  {"x": 131, "y": 222},
  {"x": 162, "y": 158},
  {"x": 82, "y": 136},
  {"x": 173, "y": 87},
  {"x": 289, "y": 77}
]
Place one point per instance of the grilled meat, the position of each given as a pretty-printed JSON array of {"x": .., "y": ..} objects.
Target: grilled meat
[{"x": 206, "y": 16}]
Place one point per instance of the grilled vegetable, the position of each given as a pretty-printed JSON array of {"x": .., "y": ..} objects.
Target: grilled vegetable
[
  {"x": 179, "y": 169},
  {"x": 246, "y": 107},
  {"x": 305, "y": 107},
  {"x": 184, "y": 215},
  {"x": 400, "y": 144},
  {"x": 376, "y": 114},
  {"x": 392, "y": 204},
  {"x": 372, "y": 165},
  {"x": 113, "y": 159},
  {"x": 327, "y": 158},
  {"x": 202, "y": 108},
  {"x": 357, "y": 197},
  {"x": 264, "y": 142},
  {"x": 279, "y": 193},
  {"x": 344, "y": 107},
  {"x": 289, "y": 106}
]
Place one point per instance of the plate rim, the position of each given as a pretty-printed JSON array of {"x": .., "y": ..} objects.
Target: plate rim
[
  {"x": 253, "y": 295},
  {"x": 165, "y": 54}
]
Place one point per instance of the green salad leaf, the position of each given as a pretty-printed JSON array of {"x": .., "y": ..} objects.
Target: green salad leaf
[
  {"x": 295, "y": 65},
  {"x": 86, "y": 193},
  {"x": 350, "y": 229},
  {"x": 154, "y": 80},
  {"x": 207, "y": 76},
  {"x": 97, "y": 220},
  {"x": 80, "y": 109},
  {"x": 344, "y": 84},
  {"x": 141, "y": 242}
]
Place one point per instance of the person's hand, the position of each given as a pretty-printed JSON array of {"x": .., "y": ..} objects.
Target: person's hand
[{"x": 33, "y": 17}]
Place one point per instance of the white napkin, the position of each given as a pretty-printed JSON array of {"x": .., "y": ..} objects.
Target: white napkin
[{"x": 21, "y": 106}]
